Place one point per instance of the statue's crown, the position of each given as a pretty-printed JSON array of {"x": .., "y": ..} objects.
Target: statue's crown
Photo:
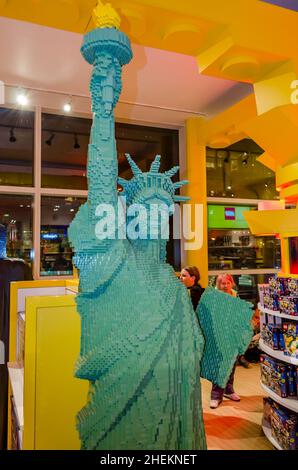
[
  {"x": 152, "y": 180},
  {"x": 104, "y": 16}
]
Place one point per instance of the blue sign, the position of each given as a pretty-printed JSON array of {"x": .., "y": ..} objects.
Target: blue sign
[{"x": 49, "y": 236}]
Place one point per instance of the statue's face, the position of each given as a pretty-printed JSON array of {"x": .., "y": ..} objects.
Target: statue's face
[{"x": 152, "y": 211}]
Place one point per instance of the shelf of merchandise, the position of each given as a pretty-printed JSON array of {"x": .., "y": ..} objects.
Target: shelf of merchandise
[
  {"x": 267, "y": 431},
  {"x": 277, "y": 313},
  {"x": 290, "y": 403},
  {"x": 278, "y": 354}
]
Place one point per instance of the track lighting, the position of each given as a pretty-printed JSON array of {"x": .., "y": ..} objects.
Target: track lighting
[
  {"x": 22, "y": 98},
  {"x": 245, "y": 158},
  {"x": 76, "y": 142},
  {"x": 49, "y": 141},
  {"x": 68, "y": 105},
  {"x": 12, "y": 137}
]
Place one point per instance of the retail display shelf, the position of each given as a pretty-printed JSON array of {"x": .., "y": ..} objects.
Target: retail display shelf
[
  {"x": 267, "y": 431},
  {"x": 16, "y": 375},
  {"x": 277, "y": 313},
  {"x": 290, "y": 403},
  {"x": 278, "y": 354}
]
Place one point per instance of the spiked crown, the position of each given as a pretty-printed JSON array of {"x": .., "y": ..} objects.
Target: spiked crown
[{"x": 151, "y": 183}]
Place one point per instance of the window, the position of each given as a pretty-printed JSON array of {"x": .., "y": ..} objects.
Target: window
[
  {"x": 239, "y": 249},
  {"x": 16, "y": 226},
  {"x": 64, "y": 149},
  {"x": 16, "y": 147},
  {"x": 143, "y": 144},
  {"x": 234, "y": 172},
  {"x": 55, "y": 251}
]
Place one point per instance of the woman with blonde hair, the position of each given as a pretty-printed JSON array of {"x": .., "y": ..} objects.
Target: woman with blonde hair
[{"x": 224, "y": 283}]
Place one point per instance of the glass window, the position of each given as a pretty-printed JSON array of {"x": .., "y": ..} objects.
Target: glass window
[
  {"x": 143, "y": 144},
  {"x": 235, "y": 172},
  {"x": 64, "y": 148},
  {"x": 16, "y": 226},
  {"x": 55, "y": 251},
  {"x": 16, "y": 147},
  {"x": 246, "y": 285},
  {"x": 239, "y": 249}
]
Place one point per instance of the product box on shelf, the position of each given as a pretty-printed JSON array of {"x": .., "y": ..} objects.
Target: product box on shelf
[
  {"x": 290, "y": 333},
  {"x": 284, "y": 427},
  {"x": 274, "y": 375},
  {"x": 283, "y": 424},
  {"x": 281, "y": 378},
  {"x": 289, "y": 305},
  {"x": 292, "y": 380},
  {"x": 280, "y": 294},
  {"x": 270, "y": 335}
]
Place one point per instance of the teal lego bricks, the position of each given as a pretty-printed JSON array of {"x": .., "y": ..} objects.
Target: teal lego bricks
[{"x": 142, "y": 345}]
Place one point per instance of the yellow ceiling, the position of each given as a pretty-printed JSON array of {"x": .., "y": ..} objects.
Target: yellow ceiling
[
  {"x": 242, "y": 40},
  {"x": 184, "y": 26}
]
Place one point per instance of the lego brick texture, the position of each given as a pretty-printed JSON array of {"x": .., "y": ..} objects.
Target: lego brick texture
[
  {"x": 226, "y": 325},
  {"x": 141, "y": 342}
]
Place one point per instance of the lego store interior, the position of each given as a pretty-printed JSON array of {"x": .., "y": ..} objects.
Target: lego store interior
[{"x": 211, "y": 87}]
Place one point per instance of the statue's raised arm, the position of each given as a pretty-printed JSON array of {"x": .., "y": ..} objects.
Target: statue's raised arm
[{"x": 107, "y": 49}]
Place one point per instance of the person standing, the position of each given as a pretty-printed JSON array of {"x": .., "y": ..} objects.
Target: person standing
[
  {"x": 224, "y": 283},
  {"x": 190, "y": 277}
]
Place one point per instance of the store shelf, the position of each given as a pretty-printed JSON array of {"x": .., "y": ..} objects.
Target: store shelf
[
  {"x": 16, "y": 376},
  {"x": 267, "y": 431},
  {"x": 277, "y": 313},
  {"x": 289, "y": 403},
  {"x": 278, "y": 354}
]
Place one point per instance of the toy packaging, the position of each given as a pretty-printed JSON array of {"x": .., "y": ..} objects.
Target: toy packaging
[
  {"x": 288, "y": 305},
  {"x": 280, "y": 294},
  {"x": 279, "y": 377},
  {"x": 283, "y": 424},
  {"x": 284, "y": 427},
  {"x": 290, "y": 335},
  {"x": 274, "y": 375},
  {"x": 291, "y": 380}
]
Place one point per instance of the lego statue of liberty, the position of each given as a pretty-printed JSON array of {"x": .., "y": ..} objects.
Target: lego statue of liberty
[{"x": 142, "y": 346}]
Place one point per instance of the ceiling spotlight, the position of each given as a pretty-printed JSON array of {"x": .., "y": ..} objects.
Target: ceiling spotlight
[
  {"x": 49, "y": 141},
  {"x": 67, "y": 106},
  {"x": 245, "y": 158},
  {"x": 12, "y": 137},
  {"x": 229, "y": 187},
  {"x": 22, "y": 98},
  {"x": 76, "y": 142}
]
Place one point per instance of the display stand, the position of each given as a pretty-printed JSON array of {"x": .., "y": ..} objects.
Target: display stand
[
  {"x": 291, "y": 403},
  {"x": 43, "y": 397}
]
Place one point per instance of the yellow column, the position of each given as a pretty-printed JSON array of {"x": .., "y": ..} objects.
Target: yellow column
[{"x": 197, "y": 191}]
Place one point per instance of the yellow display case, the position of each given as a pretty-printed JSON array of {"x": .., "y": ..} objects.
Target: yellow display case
[{"x": 44, "y": 393}]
